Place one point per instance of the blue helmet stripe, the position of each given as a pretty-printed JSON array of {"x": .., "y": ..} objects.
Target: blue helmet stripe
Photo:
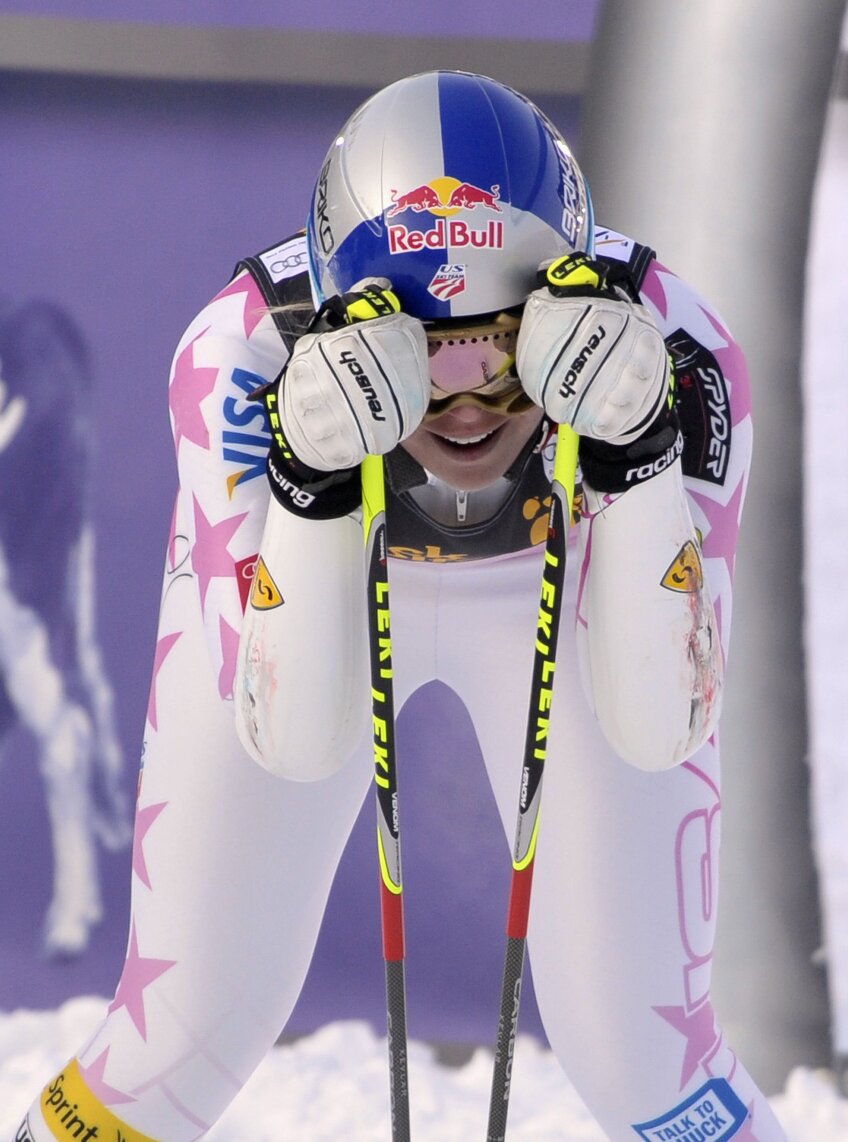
[
  {"x": 496, "y": 125},
  {"x": 472, "y": 145},
  {"x": 363, "y": 247}
]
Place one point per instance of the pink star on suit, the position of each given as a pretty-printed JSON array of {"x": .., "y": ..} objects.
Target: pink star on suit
[
  {"x": 189, "y": 387},
  {"x": 164, "y": 646},
  {"x": 144, "y": 818},
  {"x": 229, "y": 649},
  {"x": 210, "y": 557},
  {"x": 699, "y": 1027},
  {"x": 255, "y": 305},
  {"x": 139, "y": 972}
]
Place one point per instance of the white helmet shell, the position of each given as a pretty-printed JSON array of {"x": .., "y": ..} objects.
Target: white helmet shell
[{"x": 454, "y": 187}]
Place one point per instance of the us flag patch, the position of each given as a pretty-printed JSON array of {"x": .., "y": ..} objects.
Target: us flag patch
[{"x": 448, "y": 281}]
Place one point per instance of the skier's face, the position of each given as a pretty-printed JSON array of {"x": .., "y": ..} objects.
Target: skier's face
[
  {"x": 469, "y": 446},
  {"x": 479, "y": 417}
]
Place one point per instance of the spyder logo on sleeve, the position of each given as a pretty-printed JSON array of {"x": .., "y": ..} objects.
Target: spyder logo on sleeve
[{"x": 704, "y": 409}]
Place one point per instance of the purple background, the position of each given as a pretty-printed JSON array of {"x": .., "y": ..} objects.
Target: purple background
[
  {"x": 129, "y": 203},
  {"x": 542, "y": 19}
]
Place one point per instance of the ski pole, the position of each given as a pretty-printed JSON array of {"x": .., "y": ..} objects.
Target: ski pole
[
  {"x": 385, "y": 778},
  {"x": 535, "y": 748}
]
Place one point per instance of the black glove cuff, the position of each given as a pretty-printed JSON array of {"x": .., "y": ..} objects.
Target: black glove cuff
[
  {"x": 328, "y": 495},
  {"x": 617, "y": 467},
  {"x": 303, "y": 490}
]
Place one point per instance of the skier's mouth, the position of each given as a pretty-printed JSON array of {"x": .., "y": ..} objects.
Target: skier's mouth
[
  {"x": 468, "y": 439},
  {"x": 469, "y": 447}
]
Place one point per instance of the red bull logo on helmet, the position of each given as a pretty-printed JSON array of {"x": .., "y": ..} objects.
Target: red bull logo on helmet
[{"x": 445, "y": 197}]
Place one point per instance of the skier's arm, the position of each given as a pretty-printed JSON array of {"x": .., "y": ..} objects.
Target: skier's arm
[
  {"x": 221, "y": 442},
  {"x": 302, "y": 682},
  {"x": 228, "y": 521},
  {"x": 303, "y": 679},
  {"x": 647, "y": 636}
]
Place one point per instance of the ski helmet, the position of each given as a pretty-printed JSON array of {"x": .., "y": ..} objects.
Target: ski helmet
[{"x": 454, "y": 187}]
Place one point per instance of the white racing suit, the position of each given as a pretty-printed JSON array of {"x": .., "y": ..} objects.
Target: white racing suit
[{"x": 233, "y": 864}]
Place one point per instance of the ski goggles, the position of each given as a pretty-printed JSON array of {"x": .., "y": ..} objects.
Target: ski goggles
[{"x": 475, "y": 364}]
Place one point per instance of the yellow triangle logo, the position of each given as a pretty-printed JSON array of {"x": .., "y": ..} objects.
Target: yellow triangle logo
[
  {"x": 685, "y": 573},
  {"x": 233, "y": 481},
  {"x": 264, "y": 594}
]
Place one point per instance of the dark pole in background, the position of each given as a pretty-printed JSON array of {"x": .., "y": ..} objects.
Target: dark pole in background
[{"x": 700, "y": 136}]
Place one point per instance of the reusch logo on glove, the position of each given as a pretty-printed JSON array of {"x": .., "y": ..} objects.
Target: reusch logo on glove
[
  {"x": 361, "y": 377},
  {"x": 567, "y": 388}
]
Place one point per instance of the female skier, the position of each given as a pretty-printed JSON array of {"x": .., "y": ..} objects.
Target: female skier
[{"x": 439, "y": 346}]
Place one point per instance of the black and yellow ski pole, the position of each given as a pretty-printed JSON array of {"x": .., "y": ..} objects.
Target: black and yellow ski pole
[
  {"x": 535, "y": 749},
  {"x": 385, "y": 778}
]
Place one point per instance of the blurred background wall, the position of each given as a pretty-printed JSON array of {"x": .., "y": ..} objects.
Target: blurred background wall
[
  {"x": 145, "y": 151},
  {"x": 702, "y": 127}
]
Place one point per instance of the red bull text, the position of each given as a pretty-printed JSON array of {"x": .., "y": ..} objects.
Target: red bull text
[
  {"x": 444, "y": 197},
  {"x": 454, "y": 232}
]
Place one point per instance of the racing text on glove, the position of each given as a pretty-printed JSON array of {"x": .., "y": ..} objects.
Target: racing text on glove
[
  {"x": 593, "y": 357},
  {"x": 357, "y": 384}
]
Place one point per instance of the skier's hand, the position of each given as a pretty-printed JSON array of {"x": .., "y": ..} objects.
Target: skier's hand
[
  {"x": 589, "y": 355},
  {"x": 358, "y": 384}
]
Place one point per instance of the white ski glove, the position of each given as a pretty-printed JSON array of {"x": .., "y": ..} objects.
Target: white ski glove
[
  {"x": 590, "y": 356},
  {"x": 359, "y": 389}
]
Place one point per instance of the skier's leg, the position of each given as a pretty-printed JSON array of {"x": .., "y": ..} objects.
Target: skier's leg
[
  {"x": 621, "y": 943},
  {"x": 231, "y": 871},
  {"x": 623, "y": 911}
]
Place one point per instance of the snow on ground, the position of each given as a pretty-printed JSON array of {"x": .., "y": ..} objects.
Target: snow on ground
[{"x": 334, "y": 1084}]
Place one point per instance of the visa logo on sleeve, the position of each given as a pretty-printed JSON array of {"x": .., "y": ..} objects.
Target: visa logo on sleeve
[{"x": 712, "y": 1114}]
